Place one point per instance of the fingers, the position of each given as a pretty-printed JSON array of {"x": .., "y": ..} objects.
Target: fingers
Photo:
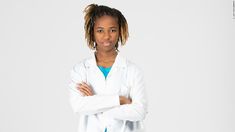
[
  {"x": 83, "y": 83},
  {"x": 129, "y": 101},
  {"x": 85, "y": 89},
  {"x": 88, "y": 88},
  {"x": 84, "y": 92},
  {"x": 124, "y": 100}
]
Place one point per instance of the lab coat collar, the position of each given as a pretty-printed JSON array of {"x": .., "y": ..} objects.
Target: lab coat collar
[{"x": 120, "y": 61}]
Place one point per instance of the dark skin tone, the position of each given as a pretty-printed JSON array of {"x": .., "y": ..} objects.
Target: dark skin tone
[{"x": 106, "y": 33}]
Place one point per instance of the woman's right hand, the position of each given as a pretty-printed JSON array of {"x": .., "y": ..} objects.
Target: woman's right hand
[
  {"x": 124, "y": 100},
  {"x": 85, "y": 89}
]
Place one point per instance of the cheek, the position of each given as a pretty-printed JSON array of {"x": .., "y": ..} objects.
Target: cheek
[
  {"x": 116, "y": 36},
  {"x": 97, "y": 37}
]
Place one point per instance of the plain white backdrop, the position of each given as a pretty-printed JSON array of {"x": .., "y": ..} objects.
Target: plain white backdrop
[{"x": 185, "y": 47}]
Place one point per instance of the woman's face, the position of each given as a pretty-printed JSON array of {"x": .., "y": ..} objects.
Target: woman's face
[{"x": 106, "y": 33}]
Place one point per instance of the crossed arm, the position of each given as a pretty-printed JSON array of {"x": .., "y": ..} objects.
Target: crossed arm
[
  {"x": 84, "y": 101},
  {"x": 86, "y": 90}
]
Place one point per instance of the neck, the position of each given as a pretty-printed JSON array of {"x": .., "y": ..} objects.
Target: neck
[{"x": 105, "y": 56}]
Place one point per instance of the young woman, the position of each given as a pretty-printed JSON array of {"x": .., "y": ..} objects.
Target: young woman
[{"x": 107, "y": 90}]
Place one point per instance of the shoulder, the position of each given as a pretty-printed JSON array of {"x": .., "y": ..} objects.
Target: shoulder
[
  {"x": 135, "y": 73},
  {"x": 82, "y": 64},
  {"x": 133, "y": 68}
]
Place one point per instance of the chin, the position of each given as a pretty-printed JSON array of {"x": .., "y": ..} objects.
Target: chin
[{"x": 107, "y": 48}]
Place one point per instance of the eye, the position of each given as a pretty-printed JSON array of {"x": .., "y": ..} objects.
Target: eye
[
  {"x": 113, "y": 30},
  {"x": 99, "y": 30}
]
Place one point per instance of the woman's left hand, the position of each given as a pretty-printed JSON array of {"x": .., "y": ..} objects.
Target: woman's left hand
[{"x": 85, "y": 89}]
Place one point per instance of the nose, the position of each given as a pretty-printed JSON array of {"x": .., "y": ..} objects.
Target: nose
[{"x": 107, "y": 35}]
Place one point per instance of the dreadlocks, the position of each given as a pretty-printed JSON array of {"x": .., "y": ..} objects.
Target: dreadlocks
[{"x": 93, "y": 12}]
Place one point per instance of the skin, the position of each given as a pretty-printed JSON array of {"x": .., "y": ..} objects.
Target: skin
[{"x": 106, "y": 33}]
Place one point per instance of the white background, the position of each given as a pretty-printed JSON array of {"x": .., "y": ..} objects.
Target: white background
[{"x": 185, "y": 47}]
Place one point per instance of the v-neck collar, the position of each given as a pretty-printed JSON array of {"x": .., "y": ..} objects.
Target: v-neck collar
[{"x": 119, "y": 61}]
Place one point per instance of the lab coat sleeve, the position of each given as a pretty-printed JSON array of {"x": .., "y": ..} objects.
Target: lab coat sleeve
[
  {"x": 137, "y": 110},
  {"x": 88, "y": 104}
]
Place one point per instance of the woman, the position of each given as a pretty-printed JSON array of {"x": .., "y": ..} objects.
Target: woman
[{"x": 107, "y": 90}]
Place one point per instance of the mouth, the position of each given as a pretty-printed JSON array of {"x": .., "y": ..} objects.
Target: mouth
[{"x": 107, "y": 43}]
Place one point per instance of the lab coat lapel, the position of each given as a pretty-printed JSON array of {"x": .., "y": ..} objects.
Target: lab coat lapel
[{"x": 120, "y": 62}]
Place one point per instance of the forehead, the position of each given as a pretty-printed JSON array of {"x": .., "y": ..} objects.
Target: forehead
[{"x": 106, "y": 21}]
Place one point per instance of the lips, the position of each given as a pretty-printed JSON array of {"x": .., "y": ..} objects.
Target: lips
[{"x": 107, "y": 43}]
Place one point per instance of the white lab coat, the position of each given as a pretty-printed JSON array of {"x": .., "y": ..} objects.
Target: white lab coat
[{"x": 103, "y": 109}]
